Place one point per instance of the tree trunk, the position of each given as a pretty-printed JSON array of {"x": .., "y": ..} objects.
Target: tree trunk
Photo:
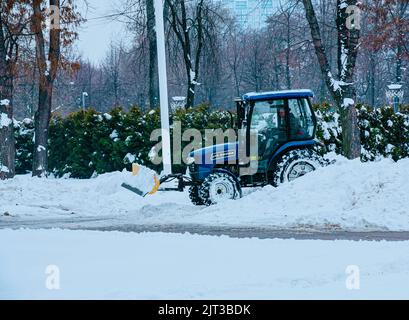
[
  {"x": 7, "y": 141},
  {"x": 343, "y": 91},
  {"x": 190, "y": 101},
  {"x": 402, "y": 7},
  {"x": 41, "y": 121},
  {"x": 153, "y": 55},
  {"x": 181, "y": 26},
  {"x": 48, "y": 71},
  {"x": 348, "y": 43},
  {"x": 288, "y": 55},
  {"x": 372, "y": 82}
]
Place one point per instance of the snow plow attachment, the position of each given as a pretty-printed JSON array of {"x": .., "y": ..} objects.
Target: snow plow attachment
[{"x": 144, "y": 181}]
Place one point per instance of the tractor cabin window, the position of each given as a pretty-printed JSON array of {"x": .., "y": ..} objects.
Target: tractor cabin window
[
  {"x": 269, "y": 121},
  {"x": 301, "y": 119}
]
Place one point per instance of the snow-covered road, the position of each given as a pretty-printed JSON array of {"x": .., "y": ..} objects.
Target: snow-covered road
[
  {"x": 347, "y": 196},
  {"x": 62, "y": 264},
  {"x": 124, "y": 225}
]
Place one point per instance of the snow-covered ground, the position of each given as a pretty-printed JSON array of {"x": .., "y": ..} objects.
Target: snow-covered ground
[
  {"x": 349, "y": 195},
  {"x": 112, "y": 265}
]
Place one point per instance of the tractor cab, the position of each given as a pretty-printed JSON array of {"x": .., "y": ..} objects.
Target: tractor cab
[{"x": 281, "y": 119}]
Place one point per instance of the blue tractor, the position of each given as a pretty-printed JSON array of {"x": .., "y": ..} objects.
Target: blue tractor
[{"x": 283, "y": 124}]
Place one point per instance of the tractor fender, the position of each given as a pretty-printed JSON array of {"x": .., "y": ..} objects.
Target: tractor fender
[{"x": 291, "y": 146}]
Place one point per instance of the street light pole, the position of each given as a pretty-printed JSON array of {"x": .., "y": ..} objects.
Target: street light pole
[
  {"x": 84, "y": 95},
  {"x": 163, "y": 88}
]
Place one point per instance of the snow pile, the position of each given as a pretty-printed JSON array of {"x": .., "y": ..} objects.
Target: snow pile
[
  {"x": 112, "y": 265},
  {"x": 349, "y": 195}
]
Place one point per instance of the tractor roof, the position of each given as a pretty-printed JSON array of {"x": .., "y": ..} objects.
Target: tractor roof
[{"x": 261, "y": 96}]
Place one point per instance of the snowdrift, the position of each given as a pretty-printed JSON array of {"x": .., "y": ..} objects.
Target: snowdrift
[{"x": 349, "y": 195}]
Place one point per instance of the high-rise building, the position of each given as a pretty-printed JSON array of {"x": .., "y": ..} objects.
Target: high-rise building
[{"x": 251, "y": 13}]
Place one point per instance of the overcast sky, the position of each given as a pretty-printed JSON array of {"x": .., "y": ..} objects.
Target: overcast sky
[{"x": 97, "y": 34}]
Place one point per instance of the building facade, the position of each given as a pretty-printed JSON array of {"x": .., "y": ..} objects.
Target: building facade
[{"x": 251, "y": 13}]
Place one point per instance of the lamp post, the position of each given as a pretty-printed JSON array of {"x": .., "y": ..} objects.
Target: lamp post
[
  {"x": 395, "y": 95},
  {"x": 84, "y": 95},
  {"x": 163, "y": 88}
]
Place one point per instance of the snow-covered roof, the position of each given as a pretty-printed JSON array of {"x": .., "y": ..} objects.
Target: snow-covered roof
[
  {"x": 395, "y": 87},
  {"x": 257, "y": 96}
]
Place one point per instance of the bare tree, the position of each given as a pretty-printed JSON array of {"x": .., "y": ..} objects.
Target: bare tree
[
  {"x": 13, "y": 23},
  {"x": 48, "y": 64}
]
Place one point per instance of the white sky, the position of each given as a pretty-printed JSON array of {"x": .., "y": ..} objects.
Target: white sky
[{"x": 95, "y": 35}]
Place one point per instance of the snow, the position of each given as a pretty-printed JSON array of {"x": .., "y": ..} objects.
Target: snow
[
  {"x": 4, "y": 169},
  {"x": 5, "y": 121},
  {"x": 349, "y": 195},
  {"x": 254, "y": 95},
  {"x": 337, "y": 85},
  {"x": 130, "y": 158},
  {"x": 56, "y": 264},
  {"x": 395, "y": 87},
  {"x": 343, "y": 4},
  {"x": 4, "y": 102},
  {"x": 114, "y": 135},
  {"x": 348, "y": 102},
  {"x": 179, "y": 99}
]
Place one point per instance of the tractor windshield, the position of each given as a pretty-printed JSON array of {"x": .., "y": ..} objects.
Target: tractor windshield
[{"x": 268, "y": 119}]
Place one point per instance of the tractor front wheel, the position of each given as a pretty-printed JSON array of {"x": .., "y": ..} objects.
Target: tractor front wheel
[
  {"x": 194, "y": 196},
  {"x": 296, "y": 164},
  {"x": 219, "y": 187}
]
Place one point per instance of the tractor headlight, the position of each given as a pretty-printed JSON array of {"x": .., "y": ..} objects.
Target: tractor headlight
[{"x": 190, "y": 160}]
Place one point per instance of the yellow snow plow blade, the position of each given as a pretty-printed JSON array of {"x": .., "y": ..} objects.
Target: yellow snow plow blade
[
  {"x": 143, "y": 181},
  {"x": 135, "y": 169},
  {"x": 156, "y": 186}
]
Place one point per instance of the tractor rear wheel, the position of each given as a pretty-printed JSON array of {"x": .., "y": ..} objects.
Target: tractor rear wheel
[
  {"x": 296, "y": 164},
  {"x": 194, "y": 196},
  {"x": 219, "y": 187}
]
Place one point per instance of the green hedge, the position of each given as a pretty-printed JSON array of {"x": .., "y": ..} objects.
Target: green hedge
[
  {"x": 383, "y": 133},
  {"x": 88, "y": 143}
]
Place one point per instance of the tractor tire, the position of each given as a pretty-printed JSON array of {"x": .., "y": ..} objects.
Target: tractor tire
[
  {"x": 194, "y": 196},
  {"x": 219, "y": 187},
  {"x": 295, "y": 164}
]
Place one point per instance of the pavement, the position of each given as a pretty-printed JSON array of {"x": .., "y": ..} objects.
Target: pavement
[{"x": 124, "y": 225}]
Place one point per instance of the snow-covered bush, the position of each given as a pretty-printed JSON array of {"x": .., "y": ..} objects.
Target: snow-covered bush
[
  {"x": 89, "y": 142},
  {"x": 384, "y": 134},
  {"x": 85, "y": 143},
  {"x": 24, "y": 133},
  {"x": 329, "y": 130}
]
